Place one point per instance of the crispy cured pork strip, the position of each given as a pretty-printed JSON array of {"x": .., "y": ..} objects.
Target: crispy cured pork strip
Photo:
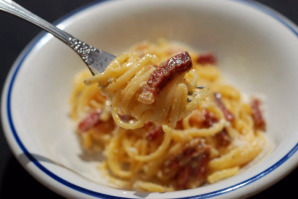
[
  {"x": 228, "y": 115},
  {"x": 163, "y": 74},
  {"x": 189, "y": 167},
  {"x": 207, "y": 58},
  {"x": 223, "y": 138},
  {"x": 154, "y": 133},
  {"x": 90, "y": 121},
  {"x": 259, "y": 122}
]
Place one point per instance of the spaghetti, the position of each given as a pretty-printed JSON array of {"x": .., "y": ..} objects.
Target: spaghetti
[
  {"x": 138, "y": 87},
  {"x": 209, "y": 138}
]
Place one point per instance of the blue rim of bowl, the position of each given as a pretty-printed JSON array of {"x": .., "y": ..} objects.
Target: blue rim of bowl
[{"x": 234, "y": 187}]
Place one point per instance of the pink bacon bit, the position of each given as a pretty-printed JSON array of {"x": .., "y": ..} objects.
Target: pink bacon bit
[
  {"x": 179, "y": 125},
  {"x": 207, "y": 58},
  {"x": 189, "y": 167},
  {"x": 228, "y": 115},
  {"x": 90, "y": 121},
  {"x": 163, "y": 74},
  {"x": 203, "y": 119},
  {"x": 147, "y": 125},
  {"x": 257, "y": 115},
  {"x": 194, "y": 173},
  {"x": 209, "y": 118},
  {"x": 183, "y": 177},
  {"x": 154, "y": 134},
  {"x": 171, "y": 166},
  {"x": 125, "y": 118},
  {"x": 223, "y": 138}
]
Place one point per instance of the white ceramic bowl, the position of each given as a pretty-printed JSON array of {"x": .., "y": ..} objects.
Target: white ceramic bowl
[{"x": 257, "y": 51}]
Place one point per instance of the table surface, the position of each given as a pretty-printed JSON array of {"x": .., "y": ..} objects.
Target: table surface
[{"x": 15, "y": 34}]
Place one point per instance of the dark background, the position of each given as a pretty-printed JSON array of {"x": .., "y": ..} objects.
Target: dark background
[{"x": 15, "y": 34}]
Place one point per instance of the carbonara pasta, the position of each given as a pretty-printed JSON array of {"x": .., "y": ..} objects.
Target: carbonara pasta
[
  {"x": 180, "y": 138},
  {"x": 138, "y": 86}
]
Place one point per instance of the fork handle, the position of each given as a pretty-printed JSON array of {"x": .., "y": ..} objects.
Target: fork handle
[
  {"x": 85, "y": 51},
  {"x": 13, "y": 8},
  {"x": 95, "y": 59}
]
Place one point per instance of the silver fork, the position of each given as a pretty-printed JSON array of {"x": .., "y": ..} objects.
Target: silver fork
[{"x": 96, "y": 60}]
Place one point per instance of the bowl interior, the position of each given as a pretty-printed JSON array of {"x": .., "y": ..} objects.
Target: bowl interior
[{"x": 255, "y": 52}]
